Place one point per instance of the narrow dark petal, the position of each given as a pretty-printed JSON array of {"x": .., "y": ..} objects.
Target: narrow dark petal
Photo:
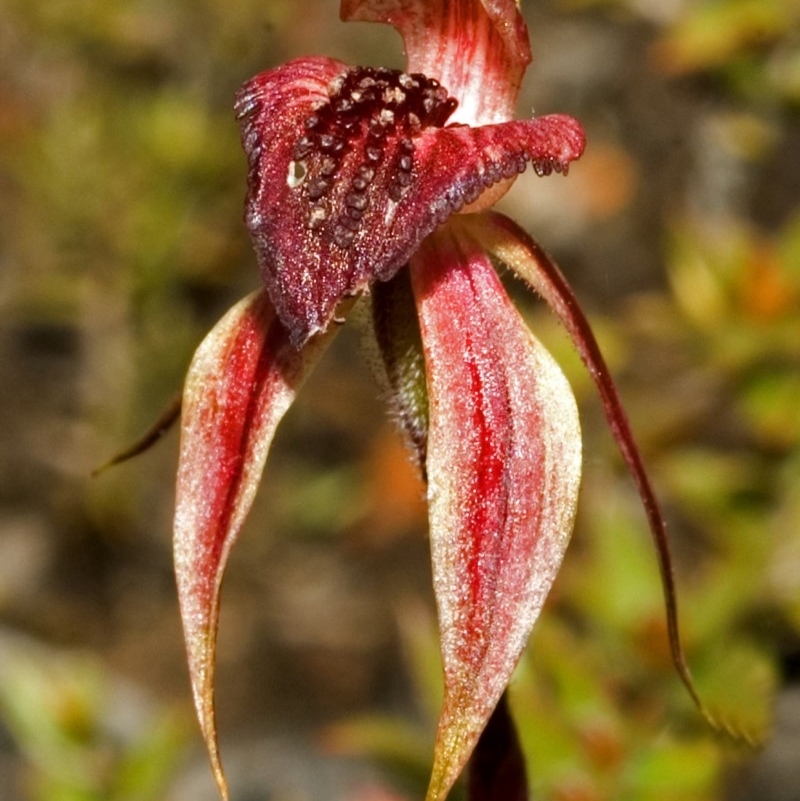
[
  {"x": 514, "y": 247},
  {"x": 349, "y": 172},
  {"x": 496, "y": 770},
  {"x": 164, "y": 422}
]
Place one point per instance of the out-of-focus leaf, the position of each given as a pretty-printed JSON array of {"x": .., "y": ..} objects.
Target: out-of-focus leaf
[
  {"x": 715, "y": 31},
  {"x": 398, "y": 746}
]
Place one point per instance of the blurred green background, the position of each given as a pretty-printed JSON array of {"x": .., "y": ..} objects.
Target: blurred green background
[{"x": 121, "y": 243}]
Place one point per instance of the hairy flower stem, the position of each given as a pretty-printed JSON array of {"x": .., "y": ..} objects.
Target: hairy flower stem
[{"x": 496, "y": 769}]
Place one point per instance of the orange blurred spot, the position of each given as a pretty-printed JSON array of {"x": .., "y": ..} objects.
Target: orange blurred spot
[
  {"x": 602, "y": 744},
  {"x": 766, "y": 291},
  {"x": 609, "y": 177},
  {"x": 396, "y": 493}
]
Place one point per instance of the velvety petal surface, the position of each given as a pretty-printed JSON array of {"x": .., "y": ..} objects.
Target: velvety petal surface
[
  {"x": 503, "y": 474},
  {"x": 513, "y": 247},
  {"x": 242, "y": 380},
  {"x": 478, "y": 49},
  {"x": 351, "y": 169}
]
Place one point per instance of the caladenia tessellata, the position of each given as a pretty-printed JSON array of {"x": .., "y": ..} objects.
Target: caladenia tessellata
[{"x": 374, "y": 182}]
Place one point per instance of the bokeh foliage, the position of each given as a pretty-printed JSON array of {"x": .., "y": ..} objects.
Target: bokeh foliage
[{"x": 121, "y": 183}]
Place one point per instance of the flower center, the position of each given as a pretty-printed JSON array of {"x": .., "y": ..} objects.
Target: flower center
[{"x": 361, "y": 137}]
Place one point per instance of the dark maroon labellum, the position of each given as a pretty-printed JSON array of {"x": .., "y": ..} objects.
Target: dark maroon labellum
[
  {"x": 351, "y": 168},
  {"x": 375, "y": 112}
]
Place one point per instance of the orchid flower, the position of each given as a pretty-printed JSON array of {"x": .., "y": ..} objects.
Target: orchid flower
[{"x": 375, "y": 182}]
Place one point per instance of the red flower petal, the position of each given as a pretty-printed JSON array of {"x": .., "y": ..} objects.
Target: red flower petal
[
  {"x": 503, "y": 470},
  {"x": 242, "y": 380},
  {"x": 512, "y": 246},
  {"x": 478, "y": 49},
  {"x": 344, "y": 184}
]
